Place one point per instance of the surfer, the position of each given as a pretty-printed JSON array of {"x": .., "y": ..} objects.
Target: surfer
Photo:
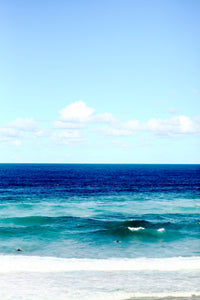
[{"x": 19, "y": 250}]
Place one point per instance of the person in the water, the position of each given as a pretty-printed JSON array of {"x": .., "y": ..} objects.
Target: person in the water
[{"x": 18, "y": 250}]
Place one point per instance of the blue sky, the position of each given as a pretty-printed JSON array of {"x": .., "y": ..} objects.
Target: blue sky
[{"x": 100, "y": 81}]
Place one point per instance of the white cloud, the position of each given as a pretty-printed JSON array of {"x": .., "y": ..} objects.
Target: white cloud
[
  {"x": 68, "y": 125},
  {"x": 185, "y": 124},
  {"x": 132, "y": 125},
  {"x": 24, "y": 124},
  {"x": 178, "y": 125},
  {"x": 76, "y": 112},
  {"x": 74, "y": 119},
  {"x": 9, "y": 133},
  {"x": 20, "y": 129},
  {"x": 79, "y": 115},
  {"x": 172, "y": 126},
  {"x": 10, "y": 136},
  {"x": 103, "y": 118},
  {"x": 76, "y": 124}
]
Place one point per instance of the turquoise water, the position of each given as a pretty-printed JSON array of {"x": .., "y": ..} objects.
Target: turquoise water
[{"x": 99, "y": 231}]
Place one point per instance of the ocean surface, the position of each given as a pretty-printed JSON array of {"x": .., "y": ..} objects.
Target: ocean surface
[{"x": 95, "y": 231}]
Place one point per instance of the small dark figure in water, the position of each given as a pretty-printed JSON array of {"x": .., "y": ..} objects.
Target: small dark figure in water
[
  {"x": 117, "y": 241},
  {"x": 19, "y": 250}
]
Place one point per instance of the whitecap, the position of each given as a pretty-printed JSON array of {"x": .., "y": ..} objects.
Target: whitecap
[{"x": 135, "y": 228}]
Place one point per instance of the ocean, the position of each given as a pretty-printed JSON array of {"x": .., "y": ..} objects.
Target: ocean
[{"x": 99, "y": 231}]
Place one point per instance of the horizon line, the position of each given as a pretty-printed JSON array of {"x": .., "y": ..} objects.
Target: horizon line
[{"x": 94, "y": 163}]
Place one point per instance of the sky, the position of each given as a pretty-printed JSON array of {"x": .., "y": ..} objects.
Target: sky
[{"x": 110, "y": 81}]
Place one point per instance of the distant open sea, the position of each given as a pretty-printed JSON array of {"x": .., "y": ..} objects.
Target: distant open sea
[{"x": 95, "y": 231}]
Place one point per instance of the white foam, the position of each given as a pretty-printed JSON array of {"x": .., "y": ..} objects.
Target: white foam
[
  {"x": 34, "y": 278},
  {"x": 135, "y": 228},
  {"x": 97, "y": 286},
  {"x": 21, "y": 263}
]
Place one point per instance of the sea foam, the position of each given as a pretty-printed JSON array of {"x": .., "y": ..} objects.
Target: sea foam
[
  {"x": 136, "y": 228},
  {"x": 20, "y": 263}
]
